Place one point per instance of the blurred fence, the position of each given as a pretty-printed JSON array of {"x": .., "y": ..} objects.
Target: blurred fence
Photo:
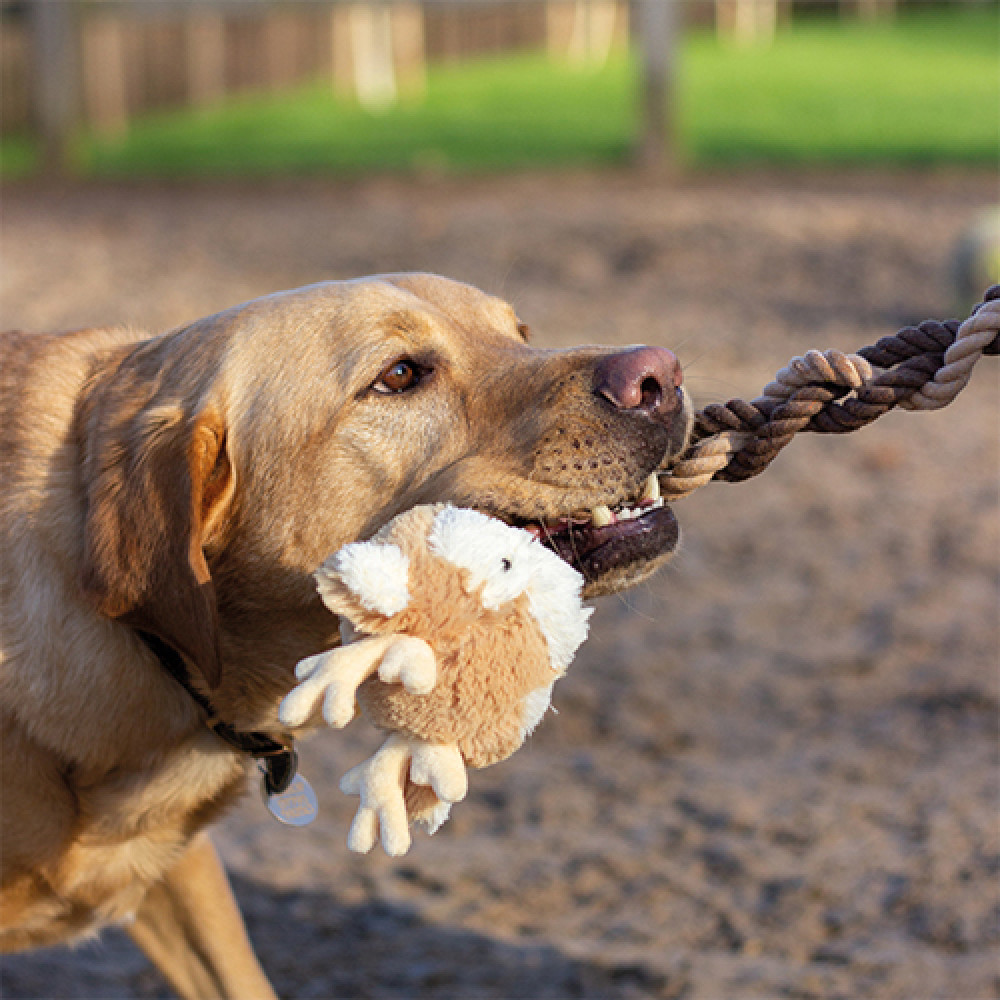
[
  {"x": 131, "y": 57},
  {"x": 119, "y": 58},
  {"x": 102, "y": 62}
]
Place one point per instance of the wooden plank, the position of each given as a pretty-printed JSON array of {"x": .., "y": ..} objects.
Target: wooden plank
[
  {"x": 205, "y": 56},
  {"x": 559, "y": 23},
  {"x": 870, "y": 10},
  {"x": 103, "y": 70},
  {"x": 602, "y": 29},
  {"x": 164, "y": 62},
  {"x": 15, "y": 97},
  {"x": 281, "y": 49},
  {"x": 341, "y": 54},
  {"x": 409, "y": 47}
]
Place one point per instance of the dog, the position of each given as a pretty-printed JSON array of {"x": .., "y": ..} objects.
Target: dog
[{"x": 166, "y": 500}]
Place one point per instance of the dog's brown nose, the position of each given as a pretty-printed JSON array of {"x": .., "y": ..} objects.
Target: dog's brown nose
[{"x": 644, "y": 379}]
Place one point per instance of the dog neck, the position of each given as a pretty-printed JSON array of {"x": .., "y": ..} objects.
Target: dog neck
[{"x": 279, "y": 761}]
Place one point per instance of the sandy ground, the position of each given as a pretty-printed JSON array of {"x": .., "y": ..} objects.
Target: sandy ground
[{"x": 773, "y": 771}]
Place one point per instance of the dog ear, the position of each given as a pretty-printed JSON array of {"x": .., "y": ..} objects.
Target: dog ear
[{"x": 157, "y": 478}]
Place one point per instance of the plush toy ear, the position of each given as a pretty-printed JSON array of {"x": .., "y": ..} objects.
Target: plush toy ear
[
  {"x": 375, "y": 573},
  {"x": 157, "y": 479}
]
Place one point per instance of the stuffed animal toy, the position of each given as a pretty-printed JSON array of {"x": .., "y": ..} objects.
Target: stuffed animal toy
[{"x": 455, "y": 628}]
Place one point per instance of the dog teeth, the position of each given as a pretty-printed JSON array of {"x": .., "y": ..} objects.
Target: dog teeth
[
  {"x": 601, "y": 516},
  {"x": 651, "y": 489}
]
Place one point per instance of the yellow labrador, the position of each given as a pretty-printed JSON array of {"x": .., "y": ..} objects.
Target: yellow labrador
[{"x": 165, "y": 502}]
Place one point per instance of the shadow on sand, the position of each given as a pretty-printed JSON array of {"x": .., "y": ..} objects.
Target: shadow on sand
[{"x": 313, "y": 946}]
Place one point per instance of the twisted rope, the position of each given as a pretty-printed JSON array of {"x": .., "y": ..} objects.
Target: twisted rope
[{"x": 919, "y": 368}]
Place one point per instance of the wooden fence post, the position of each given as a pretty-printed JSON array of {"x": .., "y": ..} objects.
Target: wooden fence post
[
  {"x": 656, "y": 24},
  {"x": 371, "y": 48},
  {"x": 54, "y": 79},
  {"x": 378, "y": 51},
  {"x": 582, "y": 31},
  {"x": 746, "y": 22}
]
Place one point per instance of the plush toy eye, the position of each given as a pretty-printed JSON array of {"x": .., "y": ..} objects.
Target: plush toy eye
[
  {"x": 506, "y": 563},
  {"x": 398, "y": 377}
]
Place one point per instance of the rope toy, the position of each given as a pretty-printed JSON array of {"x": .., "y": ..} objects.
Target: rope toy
[
  {"x": 455, "y": 625},
  {"x": 919, "y": 368}
]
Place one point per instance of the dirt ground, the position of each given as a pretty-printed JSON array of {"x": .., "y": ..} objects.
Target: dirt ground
[{"x": 773, "y": 771}]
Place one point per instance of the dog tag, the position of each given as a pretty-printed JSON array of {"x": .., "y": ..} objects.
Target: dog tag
[{"x": 297, "y": 805}]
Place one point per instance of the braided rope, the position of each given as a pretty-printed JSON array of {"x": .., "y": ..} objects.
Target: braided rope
[{"x": 919, "y": 368}]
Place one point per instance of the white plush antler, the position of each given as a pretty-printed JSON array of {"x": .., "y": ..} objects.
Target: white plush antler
[
  {"x": 380, "y": 781},
  {"x": 335, "y": 676}
]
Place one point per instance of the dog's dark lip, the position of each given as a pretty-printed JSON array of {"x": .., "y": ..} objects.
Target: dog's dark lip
[
  {"x": 650, "y": 531},
  {"x": 595, "y": 552}
]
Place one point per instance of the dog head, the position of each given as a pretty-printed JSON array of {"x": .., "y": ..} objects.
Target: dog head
[{"x": 223, "y": 462}]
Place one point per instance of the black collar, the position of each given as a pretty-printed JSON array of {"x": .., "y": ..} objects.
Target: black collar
[{"x": 278, "y": 761}]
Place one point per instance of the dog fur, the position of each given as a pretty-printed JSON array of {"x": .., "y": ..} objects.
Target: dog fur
[{"x": 188, "y": 485}]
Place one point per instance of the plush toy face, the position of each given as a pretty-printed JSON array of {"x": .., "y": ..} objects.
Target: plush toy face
[
  {"x": 507, "y": 562},
  {"x": 501, "y": 560},
  {"x": 498, "y": 564}
]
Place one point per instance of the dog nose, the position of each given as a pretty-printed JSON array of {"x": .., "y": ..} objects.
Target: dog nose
[{"x": 643, "y": 379}]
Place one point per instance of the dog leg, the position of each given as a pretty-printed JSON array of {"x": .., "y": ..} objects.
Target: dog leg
[{"x": 190, "y": 928}]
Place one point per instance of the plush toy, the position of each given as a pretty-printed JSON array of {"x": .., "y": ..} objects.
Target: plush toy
[{"x": 455, "y": 628}]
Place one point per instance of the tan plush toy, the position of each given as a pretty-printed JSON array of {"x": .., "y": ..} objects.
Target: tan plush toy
[{"x": 459, "y": 625}]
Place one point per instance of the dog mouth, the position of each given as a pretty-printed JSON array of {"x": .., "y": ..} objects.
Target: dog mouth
[{"x": 605, "y": 541}]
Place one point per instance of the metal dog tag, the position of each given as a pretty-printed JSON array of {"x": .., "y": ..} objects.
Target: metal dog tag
[{"x": 297, "y": 805}]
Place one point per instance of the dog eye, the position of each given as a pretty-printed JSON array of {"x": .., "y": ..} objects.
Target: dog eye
[
  {"x": 398, "y": 377},
  {"x": 506, "y": 563}
]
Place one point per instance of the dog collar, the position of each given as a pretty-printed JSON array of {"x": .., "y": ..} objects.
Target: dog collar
[{"x": 278, "y": 761}]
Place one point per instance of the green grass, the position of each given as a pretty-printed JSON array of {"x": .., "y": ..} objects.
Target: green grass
[
  {"x": 919, "y": 89},
  {"x": 492, "y": 115},
  {"x": 18, "y": 156},
  {"x": 922, "y": 89}
]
